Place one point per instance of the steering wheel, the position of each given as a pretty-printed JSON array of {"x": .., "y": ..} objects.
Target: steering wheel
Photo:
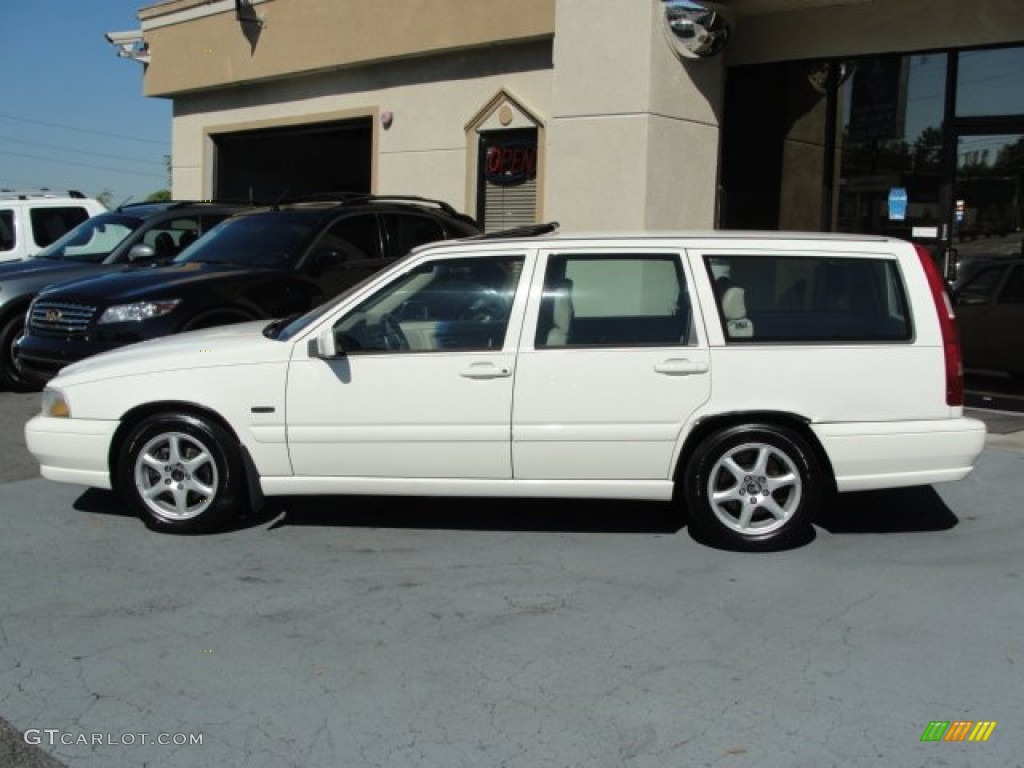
[{"x": 392, "y": 334}]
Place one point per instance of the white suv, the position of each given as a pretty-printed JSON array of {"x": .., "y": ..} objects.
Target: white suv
[
  {"x": 744, "y": 375},
  {"x": 32, "y": 220}
]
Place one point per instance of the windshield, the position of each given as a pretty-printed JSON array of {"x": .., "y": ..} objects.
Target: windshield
[
  {"x": 93, "y": 240},
  {"x": 270, "y": 239}
]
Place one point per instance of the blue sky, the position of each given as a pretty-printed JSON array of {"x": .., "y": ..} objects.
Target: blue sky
[{"x": 72, "y": 113}]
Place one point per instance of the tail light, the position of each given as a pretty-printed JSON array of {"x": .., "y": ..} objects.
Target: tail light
[{"x": 947, "y": 323}]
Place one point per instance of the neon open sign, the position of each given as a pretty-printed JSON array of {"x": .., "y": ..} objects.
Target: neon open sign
[{"x": 511, "y": 163}]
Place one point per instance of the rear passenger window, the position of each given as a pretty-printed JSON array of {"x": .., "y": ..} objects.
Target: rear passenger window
[
  {"x": 807, "y": 298},
  {"x": 50, "y": 224},
  {"x": 410, "y": 230},
  {"x": 613, "y": 301}
]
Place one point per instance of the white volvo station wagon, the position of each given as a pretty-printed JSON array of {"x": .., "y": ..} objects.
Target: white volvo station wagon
[{"x": 748, "y": 376}]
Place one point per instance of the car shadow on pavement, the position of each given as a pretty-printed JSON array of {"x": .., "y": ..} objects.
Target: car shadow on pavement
[
  {"x": 896, "y": 510},
  {"x": 97, "y": 501},
  {"x": 483, "y": 514},
  {"x": 889, "y": 511}
]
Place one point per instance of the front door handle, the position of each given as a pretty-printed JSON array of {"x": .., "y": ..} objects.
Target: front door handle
[
  {"x": 681, "y": 367},
  {"x": 485, "y": 371}
]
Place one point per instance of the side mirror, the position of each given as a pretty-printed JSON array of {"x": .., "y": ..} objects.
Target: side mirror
[
  {"x": 323, "y": 345},
  {"x": 141, "y": 252}
]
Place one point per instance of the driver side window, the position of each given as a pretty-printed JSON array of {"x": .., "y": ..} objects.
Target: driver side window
[{"x": 453, "y": 305}]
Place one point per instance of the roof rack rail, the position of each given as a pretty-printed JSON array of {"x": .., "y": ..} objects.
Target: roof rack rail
[
  {"x": 181, "y": 203},
  {"x": 25, "y": 194},
  {"x": 528, "y": 230},
  {"x": 333, "y": 196},
  {"x": 356, "y": 199}
]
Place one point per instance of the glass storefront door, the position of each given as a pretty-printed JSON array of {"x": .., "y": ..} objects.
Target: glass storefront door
[
  {"x": 925, "y": 146},
  {"x": 988, "y": 198},
  {"x": 891, "y": 148}
]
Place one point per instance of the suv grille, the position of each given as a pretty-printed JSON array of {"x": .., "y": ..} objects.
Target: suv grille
[{"x": 60, "y": 317}]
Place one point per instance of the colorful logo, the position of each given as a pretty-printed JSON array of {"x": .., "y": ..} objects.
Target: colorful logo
[{"x": 958, "y": 730}]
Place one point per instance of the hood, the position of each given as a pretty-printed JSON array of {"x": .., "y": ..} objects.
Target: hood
[
  {"x": 136, "y": 285},
  {"x": 234, "y": 345},
  {"x": 39, "y": 267}
]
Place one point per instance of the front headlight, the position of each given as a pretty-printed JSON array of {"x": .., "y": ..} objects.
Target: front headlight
[
  {"x": 55, "y": 404},
  {"x": 141, "y": 310}
]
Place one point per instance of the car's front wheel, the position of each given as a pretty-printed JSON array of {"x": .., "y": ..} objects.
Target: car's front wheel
[
  {"x": 181, "y": 473},
  {"x": 753, "y": 487},
  {"x": 12, "y": 330}
]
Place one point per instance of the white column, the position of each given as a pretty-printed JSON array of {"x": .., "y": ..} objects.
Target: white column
[{"x": 633, "y": 138}]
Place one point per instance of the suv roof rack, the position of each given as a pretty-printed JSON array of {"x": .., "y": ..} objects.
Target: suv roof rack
[
  {"x": 25, "y": 194},
  {"x": 180, "y": 203},
  {"x": 335, "y": 196},
  {"x": 357, "y": 199},
  {"x": 527, "y": 230},
  {"x": 441, "y": 204}
]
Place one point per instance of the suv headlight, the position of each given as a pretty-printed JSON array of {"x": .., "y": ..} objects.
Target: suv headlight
[
  {"x": 140, "y": 310},
  {"x": 55, "y": 404}
]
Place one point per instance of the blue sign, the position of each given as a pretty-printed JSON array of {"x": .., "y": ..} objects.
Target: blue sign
[{"x": 897, "y": 203}]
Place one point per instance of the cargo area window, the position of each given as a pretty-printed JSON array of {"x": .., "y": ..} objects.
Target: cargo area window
[
  {"x": 50, "y": 224},
  {"x": 808, "y": 298}
]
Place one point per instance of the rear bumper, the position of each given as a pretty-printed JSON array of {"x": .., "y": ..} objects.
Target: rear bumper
[
  {"x": 867, "y": 456},
  {"x": 72, "y": 450}
]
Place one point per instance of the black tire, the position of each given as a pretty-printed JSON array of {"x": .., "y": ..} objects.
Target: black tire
[
  {"x": 191, "y": 468},
  {"x": 753, "y": 488},
  {"x": 10, "y": 376}
]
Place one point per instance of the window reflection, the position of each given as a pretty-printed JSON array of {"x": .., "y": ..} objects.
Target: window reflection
[
  {"x": 988, "y": 82},
  {"x": 892, "y": 138}
]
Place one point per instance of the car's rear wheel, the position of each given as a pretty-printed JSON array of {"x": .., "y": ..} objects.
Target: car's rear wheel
[
  {"x": 753, "y": 487},
  {"x": 181, "y": 473}
]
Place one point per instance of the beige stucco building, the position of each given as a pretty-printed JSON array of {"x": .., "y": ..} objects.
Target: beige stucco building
[{"x": 584, "y": 112}]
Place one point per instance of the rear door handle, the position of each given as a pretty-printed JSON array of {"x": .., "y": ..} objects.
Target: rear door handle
[
  {"x": 681, "y": 367},
  {"x": 485, "y": 371}
]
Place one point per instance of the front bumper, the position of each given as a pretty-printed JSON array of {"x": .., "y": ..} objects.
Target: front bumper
[{"x": 72, "y": 450}]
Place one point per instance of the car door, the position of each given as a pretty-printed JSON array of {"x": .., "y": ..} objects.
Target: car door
[
  {"x": 981, "y": 318},
  {"x": 348, "y": 251},
  {"x": 421, "y": 386},
  {"x": 990, "y": 313},
  {"x": 610, "y": 368}
]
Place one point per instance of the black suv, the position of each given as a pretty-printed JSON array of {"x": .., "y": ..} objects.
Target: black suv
[
  {"x": 990, "y": 314},
  {"x": 265, "y": 263},
  {"x": 137, "y": 235}
]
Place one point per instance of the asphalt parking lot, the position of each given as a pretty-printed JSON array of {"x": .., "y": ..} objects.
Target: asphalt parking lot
[{"x": 405, "y": 632}]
